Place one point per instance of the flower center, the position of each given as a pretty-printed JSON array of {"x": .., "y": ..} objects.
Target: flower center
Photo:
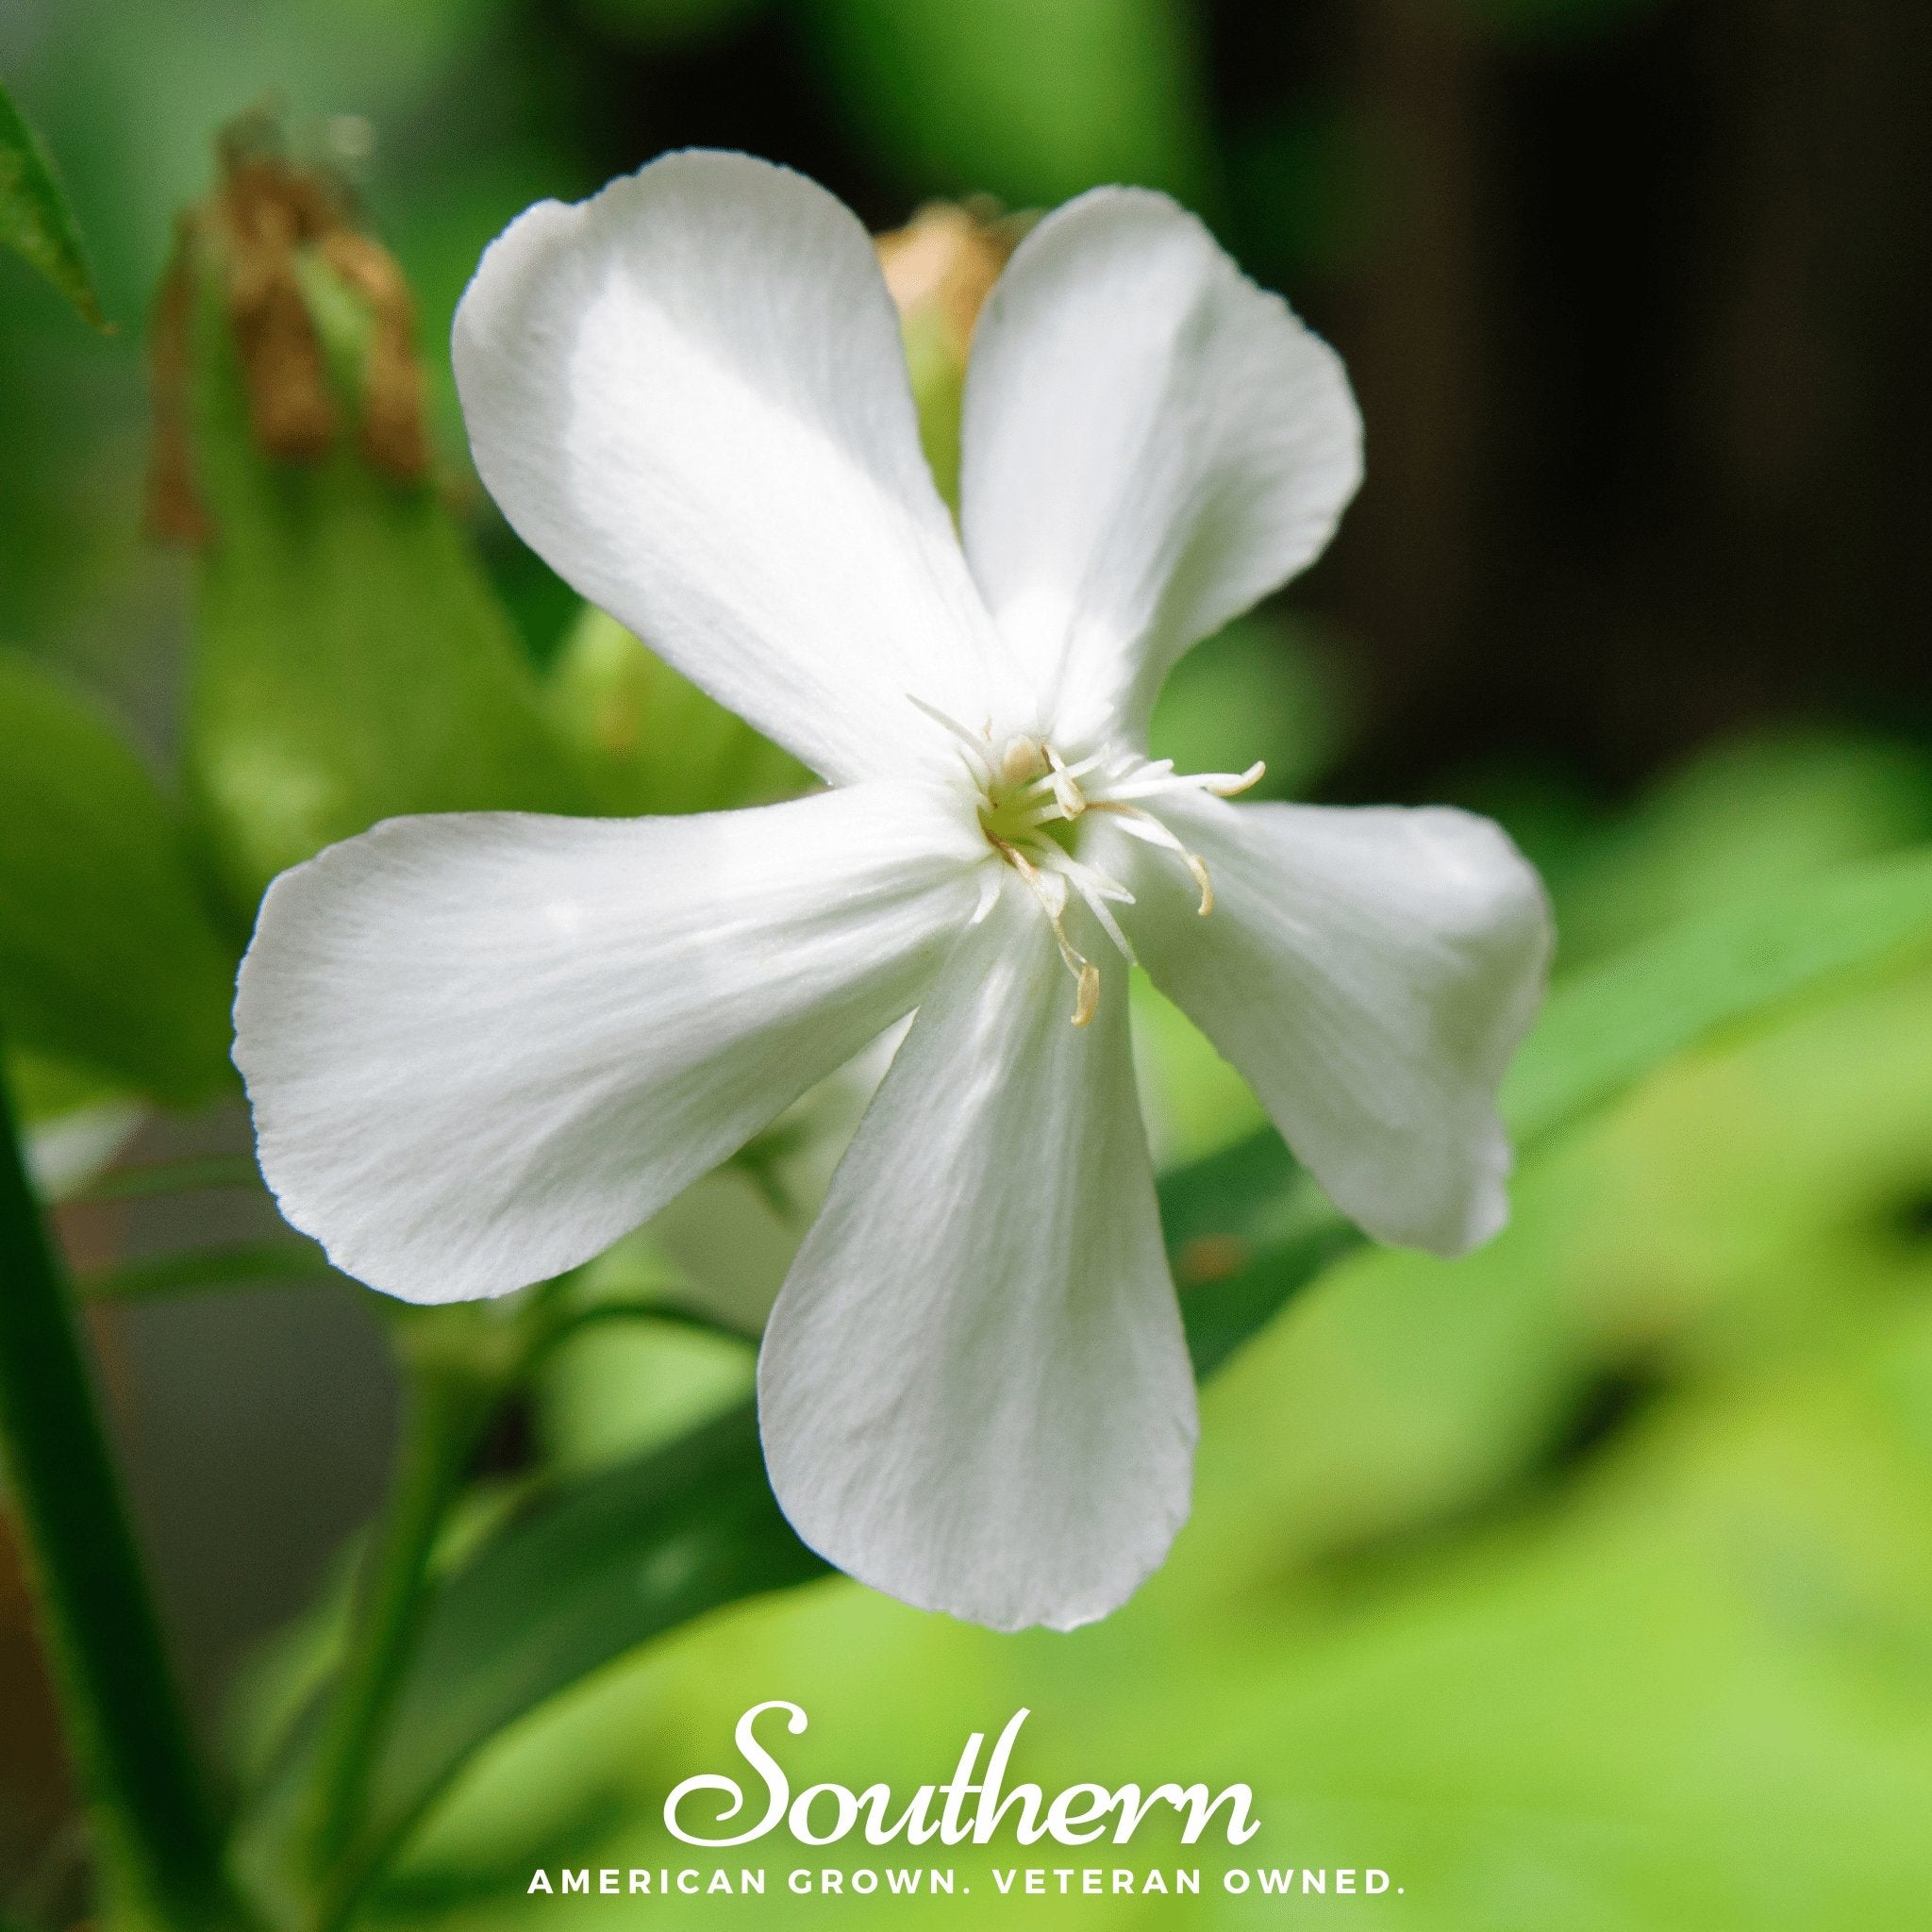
[{"x": 1031, "y": 799}]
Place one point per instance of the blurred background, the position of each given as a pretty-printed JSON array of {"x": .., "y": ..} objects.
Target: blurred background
[{"x": 1586, "y": 1583}]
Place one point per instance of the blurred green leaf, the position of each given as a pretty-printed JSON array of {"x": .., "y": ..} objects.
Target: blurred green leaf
[
  {"x": 35, "y": 219},
  {"x": 1739, "y": 821},
  {"x": 584, "y": 1572},
  {"x": 1262, "y": 688},
  {"x": 649, "y": 739},
  {"x": 106, "y": 955},
  {"x": 1602, "y": 1032},
  {"x": 352, "y": 662},
  {"x": 1029, "y": 100},
  {"x": 241, "y": 1264},
  {"x": 1247, "y": 1230}
]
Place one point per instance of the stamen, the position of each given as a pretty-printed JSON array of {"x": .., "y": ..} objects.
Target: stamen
[
  {"x": 978, "y": 746},
  {"x": 1064, "y": 789},
  {"x": 1027, "y": 786},
  {"x": 1086, "y": 998},
  {"x": 1095, "y": 888},
  {"x": 1144, "y": 825},
  {"x": 1050, "y": 889},
  {"x": 1156, "y": 778},
  {"x": 1020, "y": 762},
  {"x": 1233, "y": 787}
]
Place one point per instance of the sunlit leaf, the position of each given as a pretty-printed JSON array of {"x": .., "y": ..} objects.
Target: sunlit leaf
[
  {"x": 106, "y": 955},
  {"x": 1607, "y": 1029},
  {"x": 1743, "y": 820},
  {"x": 1247, "y": 1230},
  {"x": 35, "y": 219}
]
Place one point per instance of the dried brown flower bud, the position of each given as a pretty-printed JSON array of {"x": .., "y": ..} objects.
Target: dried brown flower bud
[{"x": 255, "y": 247}]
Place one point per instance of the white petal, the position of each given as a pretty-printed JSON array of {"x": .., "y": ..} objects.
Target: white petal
[
  {"x": 687, "y": 394},
  {"x": 1151, "y": 442},
  {"x": 1371, "y": 971},
  {"x": 480, "y": 1047},
  {"x": 973, "y": 1392}
]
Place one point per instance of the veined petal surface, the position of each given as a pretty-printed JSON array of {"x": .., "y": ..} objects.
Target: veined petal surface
[
  {"x": 974, "y": 1390},
  {"x": 1371, "y": 971},
  {"x": 1151, "y": 442},
  {"x": 482, "y": 1046},
  {"x": 687, "y": 394}
]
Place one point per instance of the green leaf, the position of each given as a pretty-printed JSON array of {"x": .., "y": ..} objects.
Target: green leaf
[
  {"x": 1247, "y": 1229},
  {"x": 243, "y": 1264},
  {"x": 352, "y": 662},
  {"x": 1029, "y": 100},
  {"x": 35, "y": 219},
  {"x": 649, "y": 739},
  {"x": 106, "y": 955},
  {"x": 580, "y": 1576},
  {"x": 1605, "y": 1030},
  {"x": 1262, "y": 688}
]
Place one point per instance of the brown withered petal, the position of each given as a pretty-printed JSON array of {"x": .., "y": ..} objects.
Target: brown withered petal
[
  {"x": 266, "y": 209},
  {"x": 174, "y": 509},
  {"x": 393, "y": 436}
]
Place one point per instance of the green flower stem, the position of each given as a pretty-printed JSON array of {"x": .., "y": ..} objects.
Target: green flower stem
[
  {"x": 159, "y": 1844},
  {"x": 449, "y": 1405},
  {"x": 195, "y": 1172},
  {"x": 240, "y": 1264}
]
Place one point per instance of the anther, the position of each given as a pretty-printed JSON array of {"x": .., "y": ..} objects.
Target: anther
[
  {"x": 1020, "y": 761},
  {"x": 1086, "y": 998},
  {"x": 1233, "y": 787},
  {"x": 1050, "y": 889},
  {"x": 1064, "y": 789}
]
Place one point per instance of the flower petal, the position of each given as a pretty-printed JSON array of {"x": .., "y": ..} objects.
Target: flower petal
[
  {"x": 1151, "y": 442},
  {"x": 480, "y": 1047},
  {"x": 974, "y": 1390},
  {"x": 1371, "y": 971},
  {"x": 687, "y": 394}
]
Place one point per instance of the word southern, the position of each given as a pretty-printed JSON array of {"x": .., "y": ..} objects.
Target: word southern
[{"x": 823, "y": 1814}]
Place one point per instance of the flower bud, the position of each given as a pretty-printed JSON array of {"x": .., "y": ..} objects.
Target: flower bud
[
  {"x": 352, "y": 662},
  {"x": 941, "y": 268}
]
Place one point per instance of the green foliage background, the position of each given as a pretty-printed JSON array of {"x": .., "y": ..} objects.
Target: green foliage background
[{"x": 1584, "y": 1583}]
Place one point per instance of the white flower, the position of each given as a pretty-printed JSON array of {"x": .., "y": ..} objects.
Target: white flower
[{"x": 482, "y": 1048}]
